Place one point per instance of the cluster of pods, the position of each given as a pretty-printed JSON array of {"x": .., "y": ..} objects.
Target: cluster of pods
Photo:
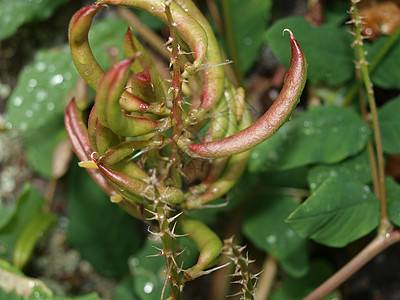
[{"x": 145, "y": 130}]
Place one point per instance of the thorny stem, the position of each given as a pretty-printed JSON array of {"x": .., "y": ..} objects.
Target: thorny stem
[
  {"x": 176, "y": 89},
  {"x": 375, "y": 62},
  {"x": 377, "y": 245},
  {"x": 169, "y": 252},
  {"x": 385, "y": 225},
  {"x": 230, "y": 38}
]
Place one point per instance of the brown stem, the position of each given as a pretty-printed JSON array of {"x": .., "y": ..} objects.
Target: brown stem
[
  {"x": 264, "y": 284},
  {"x": 377, "y": 245}
]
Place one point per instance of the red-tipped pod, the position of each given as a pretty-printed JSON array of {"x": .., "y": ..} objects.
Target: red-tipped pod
[
  {"x": 271, "y": 121},
  {"x": 82, "y": 55},
  {"x": 109, "y": 111},
  {"x": 80, "y": 143},
  {"x": 188, "y": 27}
]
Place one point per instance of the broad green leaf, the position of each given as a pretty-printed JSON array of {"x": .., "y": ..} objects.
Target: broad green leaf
[
  {"x": 38, "y": 98},
  {"x": 18, "y": 12},
  {"x": 387, "y": 73},
  {"x": 264, "y": 224},
  {"x": 250, "y": 20},
  {"x": 28, "y": 238},
  {"x": 327, "y": 49},
  {"x": 356, "y": 168},
  {"x": 148, "y": 272},
  {"x": 322, "y": 134},
  {"x": 393, "y": 200},
  {"x": 104, "y": 234},
  {"x": 294, "y": 178},
  {"x": 389, "y": 123},
  {"x": 28, "y": 205},
  {"x": 337, "y": 213},
  {"x": 298, "y": 288}
]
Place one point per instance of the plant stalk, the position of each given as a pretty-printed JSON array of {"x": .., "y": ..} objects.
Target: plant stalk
[
  {"x": 377, "y": 245},
  {"x": 385, "y": 225}
]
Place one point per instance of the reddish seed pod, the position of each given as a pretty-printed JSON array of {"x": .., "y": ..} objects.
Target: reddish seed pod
[{"x": 271, "y": 121}]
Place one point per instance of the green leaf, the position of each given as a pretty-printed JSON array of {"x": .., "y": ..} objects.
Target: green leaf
[
  {"x": 104, "y": 234},
  {"x": 250, "y": 20},
  {"x": 327, "y": 49},
  {"x": 389, "y": 124},
  {"x": 356, "y": 168},
  {"x": 37, "y": 99},
  {"x": 28, "y": 238},
  {"x": 337, "y": 213},
  {"x": 322, "y": 134},
  {"x": 17, "y": 12},
  {"x": 264, "y": 224},
  {"x": 298, "y": 288},
  {"x": 393, "y": 200},
  {"x": 387, "y": 74},
  {"x": 28, "y": 205},
  {"x": 148, "y": 272}
]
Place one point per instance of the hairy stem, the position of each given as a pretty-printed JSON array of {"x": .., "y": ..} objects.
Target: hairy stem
[{"x": 360, "y": 56}]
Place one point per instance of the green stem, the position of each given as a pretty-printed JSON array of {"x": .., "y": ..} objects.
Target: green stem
[
  {"x": 230, "y": 39},
  {"x": 375, "y": 62},
  {"x": 360, "y": 56}
]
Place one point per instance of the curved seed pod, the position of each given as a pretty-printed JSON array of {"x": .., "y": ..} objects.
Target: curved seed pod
[
  {"x": 131, "y": 188},
  {"x": 139, "y": 190},
  {"x": 270, "y": 122},
  {"x": 82, "y": 55},
  {"x": 207, "y": 242},
  {"x": 230, "y": 175},
  {"x": 188, "y": 27},
  {"x": 122, "y": 150},
  {"x": 144, "y": 65},
  {"x": 109, "y": 112},
  {"x": 78, "y": 136},
  {"x": 213, "y": 77}
]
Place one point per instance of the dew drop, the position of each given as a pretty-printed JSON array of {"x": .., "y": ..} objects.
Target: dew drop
[
  {"x": 8, "y": 125},
  {"x": 313, "y": 185},
  {"x": 306, "y": 123},
  {"x": 50, "y": 106},
  {"x": 67, "y": 76},
  {"x": 254, "y": 155},
  {"x": 18, "y": 101},
  {"x": 134, "y": 262},
  {"x": 32, "y": 83},
  {"x": 40, "y": 66},
  {"x": 271, "y": 239},
  {"x": 41, "y": 95},
  {"x": 247, "y": 41},
  {"x": 148, "y": 287},
  {"x": 334, "y": 129},
  {"x": 29, "y": 113},
  {"x": 56, "y": 79}
]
